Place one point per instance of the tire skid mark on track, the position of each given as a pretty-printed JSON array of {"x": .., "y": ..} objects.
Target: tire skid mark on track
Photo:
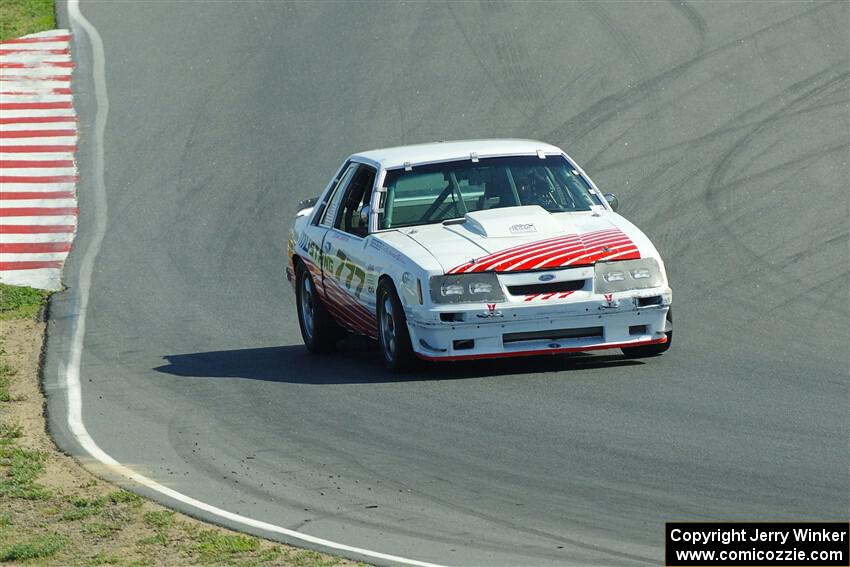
[
  {"x": 713, "y": 135},
  {"x": 753, "y": 118},
  {"x": 695, "y": 19},
  {"x": 720, "y": 196},
  {"x": 608, "y": 107},
  {"x": 642, "y": 69},
  {"x": 497, "y": 84}
]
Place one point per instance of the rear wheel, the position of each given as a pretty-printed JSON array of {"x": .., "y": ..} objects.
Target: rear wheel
[
  {"x": 393, "y": 336},
  {"x": 653, "y": 350},
  {"x": 317, "y": 327}
]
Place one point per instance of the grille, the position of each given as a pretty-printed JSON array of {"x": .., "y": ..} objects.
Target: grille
[
  {"x": 553, "y": 334},
  {"x": 551, "y": 287}
]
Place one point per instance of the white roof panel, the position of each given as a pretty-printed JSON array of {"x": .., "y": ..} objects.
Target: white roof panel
[{"x": 447, "y": 151}]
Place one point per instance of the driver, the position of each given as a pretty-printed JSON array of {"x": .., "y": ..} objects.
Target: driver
[{"x": 534, "y": 189}]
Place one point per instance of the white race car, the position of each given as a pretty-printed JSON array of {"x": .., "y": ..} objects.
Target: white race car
[{"x": 474, "y": 249}]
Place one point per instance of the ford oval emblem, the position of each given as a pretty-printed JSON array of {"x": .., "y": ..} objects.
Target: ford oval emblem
[{"x": 546, "y": 277}]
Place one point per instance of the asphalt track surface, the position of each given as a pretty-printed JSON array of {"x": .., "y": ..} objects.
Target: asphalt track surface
[{"x": 722, "y": 127}]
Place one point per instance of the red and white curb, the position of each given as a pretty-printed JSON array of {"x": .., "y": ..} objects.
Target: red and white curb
[{"x": 38, "y": 174}]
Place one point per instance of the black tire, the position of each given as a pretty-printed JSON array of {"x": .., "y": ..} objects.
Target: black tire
[
  {"x": 318, "y": 328},
  {"x": 653, "y": 350},
  {"x": 393, "y": 336}
]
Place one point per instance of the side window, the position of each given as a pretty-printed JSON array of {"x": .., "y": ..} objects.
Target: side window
[
  {"x": 359, "y": 195},
  {"x": 332, "y": 208}
]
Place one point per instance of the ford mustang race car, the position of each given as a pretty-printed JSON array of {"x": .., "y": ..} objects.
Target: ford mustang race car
[{"x": 474, "y": 249}]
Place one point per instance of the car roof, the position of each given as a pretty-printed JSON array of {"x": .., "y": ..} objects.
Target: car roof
[{"x": 447, "y": 151}]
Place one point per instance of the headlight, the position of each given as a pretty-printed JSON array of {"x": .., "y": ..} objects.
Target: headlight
[
  {"x": 466, "y": 288},
  {"x": 628, "y": 274}
]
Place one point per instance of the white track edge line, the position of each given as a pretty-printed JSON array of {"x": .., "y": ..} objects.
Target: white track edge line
[{"x": 71, "y": 377}]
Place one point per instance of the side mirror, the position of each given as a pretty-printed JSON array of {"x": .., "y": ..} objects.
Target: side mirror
[
  {"x": 364, "y": 216},
  {"x": 307, "y": 203},
  {"x": 612, "y": 200},
  {"x": 305, "y": 207}
]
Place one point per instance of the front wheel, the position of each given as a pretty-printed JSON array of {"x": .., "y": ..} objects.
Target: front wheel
[
  {"x": 393, "y": 336},
  {"x": 653, "y": 350}
]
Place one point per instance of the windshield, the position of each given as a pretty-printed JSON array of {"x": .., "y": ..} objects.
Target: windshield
[{"x": 433, "y": 193}]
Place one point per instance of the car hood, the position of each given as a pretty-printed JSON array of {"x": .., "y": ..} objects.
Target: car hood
[{"x": 530, "y": 238}]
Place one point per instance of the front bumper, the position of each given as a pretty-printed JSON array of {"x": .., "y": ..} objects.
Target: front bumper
[{"x": 625, "y": 319}]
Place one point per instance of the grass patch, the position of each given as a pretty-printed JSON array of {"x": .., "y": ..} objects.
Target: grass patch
[
  {"x": 83, "y": 508},
  {"x": 42, "y": 546},
  {"x": 8, "y": 432},
  {"x": 118, "y": 515},
  {"x": 216, "y": 547},
  {"x": 310, "y": 559},
  {"x": 22, "y": 17},
  {"x": 6, "y": 374},
  {"x": 124, "y": 497},
  {"x": 159, "y": 520},
  {"x": 22, "y": 468},
  {"x": 20, "y": 302},
  {"x": 100, "y": 529},
  {"x": 5, "y": 520},
  {"x": 158, "y": 539},
  {"x": 103, "y": 559},
  {"x": 269, "y": 554}
]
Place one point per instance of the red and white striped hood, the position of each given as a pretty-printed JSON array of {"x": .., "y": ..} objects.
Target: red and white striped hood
[{"x": 545, "y": 240}]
